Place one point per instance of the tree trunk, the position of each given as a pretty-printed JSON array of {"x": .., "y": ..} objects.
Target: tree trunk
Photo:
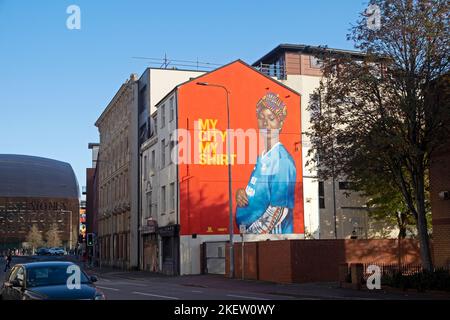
[
  {"x": 401, "y": 220},
  {"x": 422, "y": 228}
]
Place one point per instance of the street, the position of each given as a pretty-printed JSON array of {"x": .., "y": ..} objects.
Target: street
[{"x": 138, "y": 285}]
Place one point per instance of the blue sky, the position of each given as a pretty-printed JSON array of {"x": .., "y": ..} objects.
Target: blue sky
[{"x": 55, "y": 82}]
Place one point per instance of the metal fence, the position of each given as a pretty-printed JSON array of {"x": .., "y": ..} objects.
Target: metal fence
[
  {"x": 392, "y": 269},
  {"x": 272, "y": 70}
]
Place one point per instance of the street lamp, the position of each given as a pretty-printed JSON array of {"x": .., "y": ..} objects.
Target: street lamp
[
  {"x": 230, "y": 195},
  {"x": 71, "y": 227}
]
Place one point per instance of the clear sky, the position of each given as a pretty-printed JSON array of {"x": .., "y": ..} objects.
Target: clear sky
[{"x": 55, "y": 82}]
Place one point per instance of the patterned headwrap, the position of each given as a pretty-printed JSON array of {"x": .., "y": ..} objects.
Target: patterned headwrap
[{"x": 272, "y": 102}]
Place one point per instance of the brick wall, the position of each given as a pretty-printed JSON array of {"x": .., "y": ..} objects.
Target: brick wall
[
  {"x": 274, "y": 261},
  {"x": 317, "y": 260},
  {"x": 250, "y": 260},
  {"x": 289, "y": 261},
  {"x": 440, "y": 209}
]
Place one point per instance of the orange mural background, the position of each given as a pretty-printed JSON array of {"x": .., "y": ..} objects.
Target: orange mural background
[{"x": 204, "y": 188}]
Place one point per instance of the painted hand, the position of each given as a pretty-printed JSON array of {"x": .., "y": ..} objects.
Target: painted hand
[{"x": 241, "y": 198}]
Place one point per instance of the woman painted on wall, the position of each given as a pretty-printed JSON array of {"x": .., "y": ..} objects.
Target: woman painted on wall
[{"x": 266, "y": 204}]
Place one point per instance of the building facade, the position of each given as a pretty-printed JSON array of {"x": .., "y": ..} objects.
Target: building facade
[
  {"x": 332, "y": 209},
  {"x": 37, "y": 191},
  {"x": 118, "y": 132},
  {"x": 440, "y": 205},
  {"x": 186, "y": 202},
  {"x": 154, "y": 84},
  {"x": 92, "y": 202},
  {"x": 440, "y": 182},
  {"x": 123, "y": 126}
]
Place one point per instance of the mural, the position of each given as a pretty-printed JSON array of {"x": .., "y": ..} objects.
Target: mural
[
  {"x": 262, "y": 145},
  {"x": 266, "y": 204}
]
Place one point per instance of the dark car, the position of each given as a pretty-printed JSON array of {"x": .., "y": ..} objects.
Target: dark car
[
  {"x": 53, "y": 280},
  {"x": 43, "y": 252}
]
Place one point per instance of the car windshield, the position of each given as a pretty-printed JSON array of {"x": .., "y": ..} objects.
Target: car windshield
[{"x": 51, "y": 276}]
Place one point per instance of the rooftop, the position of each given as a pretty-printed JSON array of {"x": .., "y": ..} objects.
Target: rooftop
[
  {"x": 286, "y": 47},
  {"x": 29, "y": 176}
]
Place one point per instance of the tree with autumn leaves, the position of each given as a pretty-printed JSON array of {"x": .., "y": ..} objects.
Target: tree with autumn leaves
[{"x": 377, "y": 120}]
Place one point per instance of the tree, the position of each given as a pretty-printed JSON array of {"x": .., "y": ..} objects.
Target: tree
[
  {"x": 34, "y": 238},
  {"x": 53, "y": 239},
  {"x": 386, "y": 204},
  {"x": 383, "y": 115}
]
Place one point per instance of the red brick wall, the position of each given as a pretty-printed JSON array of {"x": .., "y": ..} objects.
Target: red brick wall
[
  {"x": 290, "y": 261},
  {"x": 250, "y": 260},
  {"x": 382, "y": 251},
  {"x": 440, "y": 209},
  {"x": 274, "y": 261},
  {"x": 317, "y": 260}
]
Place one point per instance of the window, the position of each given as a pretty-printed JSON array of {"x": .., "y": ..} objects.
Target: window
[
  {"x": 315, "y": 62},
  {"x": 145, "y": 168},
  {"x": 163, "y": 153},
  {"x": 163, "y": 200},
  {"x": 172, "y": 146},
  {"x": 172, "y": 109},
  {"x": 19, "y": 276},
  {"x": 345, "y": 185},
  {"x": 154, "y": 125},
  {"x": 163, "y": 115},
  {"x": 149, "y": 204},
  {"x": 321, "y": 195},
  {"x": 13, "y": 274},
  {"x": 172, "y": 197},
  {"x": 153, "y": 164}
]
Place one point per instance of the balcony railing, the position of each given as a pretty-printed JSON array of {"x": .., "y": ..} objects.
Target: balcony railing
[{"x": 272, "y": 70}]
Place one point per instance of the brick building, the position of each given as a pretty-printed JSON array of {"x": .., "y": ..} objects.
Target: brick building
[{"x": 440, "y": 204}]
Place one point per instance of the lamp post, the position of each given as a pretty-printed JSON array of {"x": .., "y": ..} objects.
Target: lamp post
[
  {"x": 71, "y": 226},
  {"x": 230, "y": 194}
]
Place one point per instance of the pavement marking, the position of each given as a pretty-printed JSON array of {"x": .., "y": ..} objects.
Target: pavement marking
[
  {"x": 107, "y": 288},
  {"x": 136, "y": 284},
  {"x": 245, "y": 297},
  {"x": 131, "y": 284},
  {"x": 196, "y": 291},
  {"x": 155, "y": 295}
]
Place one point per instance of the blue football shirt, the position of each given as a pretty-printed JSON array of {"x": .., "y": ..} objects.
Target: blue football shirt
[{"x": 272, "y": 183}]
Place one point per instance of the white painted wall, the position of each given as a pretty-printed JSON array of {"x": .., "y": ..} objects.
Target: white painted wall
[
  {"x": 190, "y": 248},
  {"x": 190, "y": 252},
  {"x": 350, "y": 210},
  {"x": 167, "y": 172},
  {"x": 306, "y": 85},
  {"x": 162, "y": 81}
]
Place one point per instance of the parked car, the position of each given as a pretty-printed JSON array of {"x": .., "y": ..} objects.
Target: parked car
[
  {"x": 48, "y": 281},
  {"x": 43, "y": 252},
  {"x": 57, "y": 251}
]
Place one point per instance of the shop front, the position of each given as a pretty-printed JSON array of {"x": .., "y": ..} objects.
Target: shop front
[{"x": 170, "y": 253}]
